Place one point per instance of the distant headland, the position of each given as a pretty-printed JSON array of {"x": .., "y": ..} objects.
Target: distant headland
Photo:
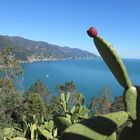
[{"x": 29, "y": 51}]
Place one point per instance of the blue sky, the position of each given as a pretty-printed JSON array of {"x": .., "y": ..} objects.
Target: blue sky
[{"x": 64, "y": 22}]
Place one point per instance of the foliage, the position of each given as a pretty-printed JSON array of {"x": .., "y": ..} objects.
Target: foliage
[
  {"x": 26, "y": 115},
  {"x": 10, "y": 70},
  {"x": 102, "y": 101},
  {"x": 66, "y": 87},
  {"x": 10, "y": 67},
  {"x": 10, "y": 99},
  {"x": 39, "y": 128},
  {"x": 36, "y": 127},
  {"x": 6, "y": 85},
  {"x": 117, "y": 105},
  {"x": 39, "y": 88},
  {"x": 53, "y": 107},
  {"x": 34, "y": 105},
  {"x": 11, "y": 107},
  {"x": 69, "y": 87}
]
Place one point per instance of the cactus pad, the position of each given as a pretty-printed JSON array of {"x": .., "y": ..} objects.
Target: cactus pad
[
  {"x": 113, "y": 61},
  {"x": 97, "y": 128},
  {"x": 111, "y": 58},
  {"x": 130, "y": 99}
]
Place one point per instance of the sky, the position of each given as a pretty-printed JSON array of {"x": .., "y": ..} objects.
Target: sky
[{"x": 65, "y": 22}]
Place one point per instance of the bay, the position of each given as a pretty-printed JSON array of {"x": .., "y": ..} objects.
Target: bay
[{"x": 89, "y": 75}]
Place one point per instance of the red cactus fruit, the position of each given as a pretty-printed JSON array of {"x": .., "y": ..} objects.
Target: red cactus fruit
[{"x": 92, "y": 32}]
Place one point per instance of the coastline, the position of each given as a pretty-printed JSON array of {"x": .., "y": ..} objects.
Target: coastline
[{"x": 55, "y": 59}]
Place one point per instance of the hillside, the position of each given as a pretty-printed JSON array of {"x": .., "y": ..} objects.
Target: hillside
[{"x": 29, "y": 50}]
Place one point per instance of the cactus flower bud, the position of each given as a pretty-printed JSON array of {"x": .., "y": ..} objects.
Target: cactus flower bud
[{"x": 92, "y": 32}]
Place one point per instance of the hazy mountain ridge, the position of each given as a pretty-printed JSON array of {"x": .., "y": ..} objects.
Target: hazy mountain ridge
[{"x": 29, "y": 50}]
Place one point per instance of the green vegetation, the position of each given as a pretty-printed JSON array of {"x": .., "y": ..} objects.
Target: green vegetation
[{"x": 40, "y": 115}]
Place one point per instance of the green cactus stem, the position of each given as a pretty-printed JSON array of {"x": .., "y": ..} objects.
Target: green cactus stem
[
  {"x": 64, "y": 101},
  {"x": 45, "y": 133},
  {"x": 18, "y": 138},
  {"x": 8, "y": 132},
  {"x": 113, "y": 61},
  {"x": 81, "y": 132},
  {"x": 68, "y": 97},
  {"x": 131, "y": 133},
  {"x": 97, "y": 128},
  {"x": 130, "y": 99},
  {"x": 33, "y": 128},
  {"x": 62, "y": 122},
  {"x": 49, "y": 125}
]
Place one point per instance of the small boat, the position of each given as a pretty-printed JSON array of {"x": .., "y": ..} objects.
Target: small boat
[{"x": 47, "y": 76}]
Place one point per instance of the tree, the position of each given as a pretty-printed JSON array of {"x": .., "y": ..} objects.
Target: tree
[
  {"x": 10, "y": 100},
  {"x": 9, "y": 65},
  {"x": 6, "y": 85},
  {"x": 117, "y": 105},
  {"x": 40, "y": 88},
  {"x": 103, "y": 101},
  {"x": 11, "y": 108},
  {"x": 34, "y": 105},
  {"x": 53, "y": 107},
  {"x": 51, "y": 103},
  {"x": 66, "y": 87},
  {"x": 10, "y": 69}
]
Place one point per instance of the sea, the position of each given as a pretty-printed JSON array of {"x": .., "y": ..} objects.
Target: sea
[{"x": 90, "y": 76}]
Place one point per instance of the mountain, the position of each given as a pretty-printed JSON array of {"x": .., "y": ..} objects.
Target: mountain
[{"x": 29, "y": 50}]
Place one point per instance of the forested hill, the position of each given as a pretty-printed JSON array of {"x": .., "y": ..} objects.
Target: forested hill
[{"x": 29, "y": 50}]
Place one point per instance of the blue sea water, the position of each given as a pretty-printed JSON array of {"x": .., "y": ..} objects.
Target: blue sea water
[{"x": 89, "y": 76}]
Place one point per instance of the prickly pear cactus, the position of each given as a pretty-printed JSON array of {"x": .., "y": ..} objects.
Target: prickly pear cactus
[
  {"x": 104, "y": 127},
  {"x": 112, "y": 59},
  {"x": 18, "y": 138},
  {"x": 96, "y": 128},
  {"x": 118, "y": 69},
  {"x": 71, "y": 115}
]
